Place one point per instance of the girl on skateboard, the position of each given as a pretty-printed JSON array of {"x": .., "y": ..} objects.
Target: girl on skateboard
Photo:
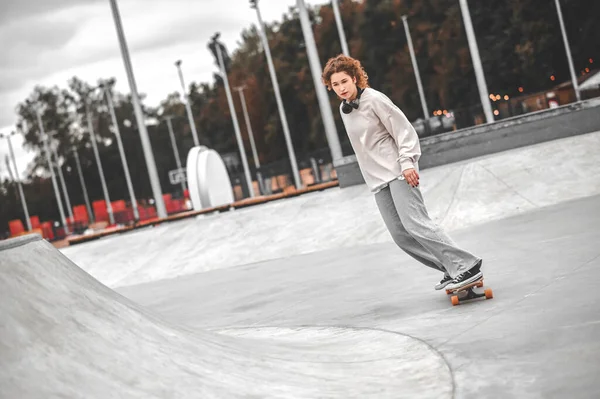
[{"x": 388, "y": 150}]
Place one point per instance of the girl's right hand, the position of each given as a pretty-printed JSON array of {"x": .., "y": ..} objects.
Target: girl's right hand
[{"x": 412, "y": 177}]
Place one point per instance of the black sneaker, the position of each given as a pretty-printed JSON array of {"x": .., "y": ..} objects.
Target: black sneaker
[
  {"x": 466, "y": 278},
  {"x": 443, "y": 282}
]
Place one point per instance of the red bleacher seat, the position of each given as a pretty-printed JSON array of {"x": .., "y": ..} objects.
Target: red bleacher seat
[
  {"x": 16, "y": 227},
  {"x": 100, "y": 211},
  {"x": 35, "y": 222}
]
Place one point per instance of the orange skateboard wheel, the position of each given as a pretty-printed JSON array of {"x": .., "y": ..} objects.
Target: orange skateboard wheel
[
  {"x": 488, "y": 293},
  {"x": 454, "y": 300}
]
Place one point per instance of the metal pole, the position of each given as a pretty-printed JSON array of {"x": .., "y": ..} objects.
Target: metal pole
[
  {"x": 568, "y": 50},
  {"x": 62, "y": 183},
  {"x": 316, "y": 170},
  {"x": 44, "y": 138},
  {"x": 83, "y": 187},
  {"x": 175, "y": 150},
  {"x": 481, "y": 85},
  {"x": 416, "y": 68},
  {"x": 188, "y": 107},
  {"x": 18, "y": 180},
  {"x": 134, "y": 204},
  {"x": 240, "y": 91},
  {"x": 236, "y": 126},
  {"x": 109, "y": 209},
  {"x": 161, "y": 210},
  {"x": 280, "y": 107},
  {"x": 315, "y": 66},
  {"x": 340, "y": 27},
  {"x": 10, "y": 173}
]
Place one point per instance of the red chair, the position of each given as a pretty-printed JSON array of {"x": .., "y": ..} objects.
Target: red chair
[
  {"x": 35, "y": 222},
  {"x": 100, "y": 211},
  {"x": 16, "y": 227},
  {"x": 47, "y": 231},
  {"x": 118, "y": 205},
  {"x": 80, "y": 214},
  {"x": 146, "y": 212},
  {"x": 168, "y": 200}
]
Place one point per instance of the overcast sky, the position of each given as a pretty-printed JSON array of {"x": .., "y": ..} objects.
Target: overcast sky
[{"x": 47, "y": 42}]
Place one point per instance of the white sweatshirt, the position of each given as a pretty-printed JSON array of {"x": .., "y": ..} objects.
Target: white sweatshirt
[{"x": 384, "y": 141}]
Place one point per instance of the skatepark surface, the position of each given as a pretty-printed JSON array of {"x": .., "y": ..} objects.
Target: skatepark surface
[{"x": 309, "y": 298}]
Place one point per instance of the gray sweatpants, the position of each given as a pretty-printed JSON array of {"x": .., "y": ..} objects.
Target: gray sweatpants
[{"x": 407, "y": 220}]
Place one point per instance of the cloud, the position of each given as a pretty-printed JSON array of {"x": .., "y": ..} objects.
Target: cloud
[
  {"x": 47, "y": 43},
  {"x": 11, "y": 10},
  {"x": 50, "y": 41}
]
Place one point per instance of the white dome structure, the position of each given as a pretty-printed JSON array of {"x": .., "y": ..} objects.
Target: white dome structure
[{"x": 208, "y": 181}]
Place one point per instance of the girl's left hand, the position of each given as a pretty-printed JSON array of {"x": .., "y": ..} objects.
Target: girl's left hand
[{"x": 412, "y": 177}]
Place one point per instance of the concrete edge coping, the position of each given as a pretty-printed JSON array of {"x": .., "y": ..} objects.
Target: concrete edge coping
[
  {"x": 19, "y": 241},
  {"x": 508, "y": 122},
  {"x": 486, "y": 127}
]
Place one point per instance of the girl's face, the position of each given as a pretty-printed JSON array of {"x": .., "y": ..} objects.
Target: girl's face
[{"x": 344, "y": 86}]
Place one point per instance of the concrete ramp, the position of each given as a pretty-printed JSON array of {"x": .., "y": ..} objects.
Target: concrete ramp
[
  {"x": 64, "y": 334},
  {"x": 458, "y": 196}
]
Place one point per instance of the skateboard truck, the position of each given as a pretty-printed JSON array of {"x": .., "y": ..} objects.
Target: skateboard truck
[{"x": 467, "y": 293}]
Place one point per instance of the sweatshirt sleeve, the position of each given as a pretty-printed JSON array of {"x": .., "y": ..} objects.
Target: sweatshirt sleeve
[{"x": 401, "y": 130}]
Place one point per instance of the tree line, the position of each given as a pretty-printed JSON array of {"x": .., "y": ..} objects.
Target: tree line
[{"x": 520, "y": 45}]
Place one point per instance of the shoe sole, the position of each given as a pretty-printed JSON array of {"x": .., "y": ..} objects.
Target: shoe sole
[
  {"x": 442, "y": 286},
  {"x": 476, "y": 277}
]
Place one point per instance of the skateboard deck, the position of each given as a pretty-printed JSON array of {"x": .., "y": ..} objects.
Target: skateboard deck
[{"x": 468, "y": 293}]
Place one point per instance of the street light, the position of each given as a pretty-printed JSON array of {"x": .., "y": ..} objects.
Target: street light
[
  {"x": 161, "y": 210},
  {"x": 83, "y": 186},
  {"x": 340, "y": 27},
  {"x": 175, "y": 149},
  {"x": 188, "y": 107},
  {"x": 111, "y": 108},
  {"x": 109, "y": 209},
  {"x": 18, "y": 179},
  {"x": 275, "y": 83},
  {"x": 416, "y": 68},
  {"x": 61, "y": 177},
  {"x": 236, "y": 125},
  {"x": 479, "y": 75},
  {"x": 240, "y": 90},
  {"x": 316, "y": 70},
  {"x": 44, "y": 139},
  {"x": 568, "y": 50}
]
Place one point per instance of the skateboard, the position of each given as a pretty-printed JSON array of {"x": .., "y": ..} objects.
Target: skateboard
[{"x": 468, "y": 292}]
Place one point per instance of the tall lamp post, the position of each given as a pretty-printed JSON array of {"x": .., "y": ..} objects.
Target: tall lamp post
[
  {"x": 61, "y": 177},
  {"x": 568, "y": 50},
  {"x": 115, "y": 122},
  {"x": 44, "y": 138},
  {"x": 218, "y": 45},
  {"x": 315, "y": 67},
  {"x": 340, "y": 27},
  {"x": 416, "y": 68},
  {"x": 240, "y": 90},
  {"x": 161, "y": 210},
  {"x": 109, "y": 209},
  {"x": 175, "y": 149},
  {"x": 281, "y": 109},
  {"x": 18, "y": 180},
  {"x": 478, "y": 68},
  {"x": 188, "y": 107},
  {"x": 83, "y": 186}
]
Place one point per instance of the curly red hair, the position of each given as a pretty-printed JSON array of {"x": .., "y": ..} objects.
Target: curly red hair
[{"x": 350, "y": 65}]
